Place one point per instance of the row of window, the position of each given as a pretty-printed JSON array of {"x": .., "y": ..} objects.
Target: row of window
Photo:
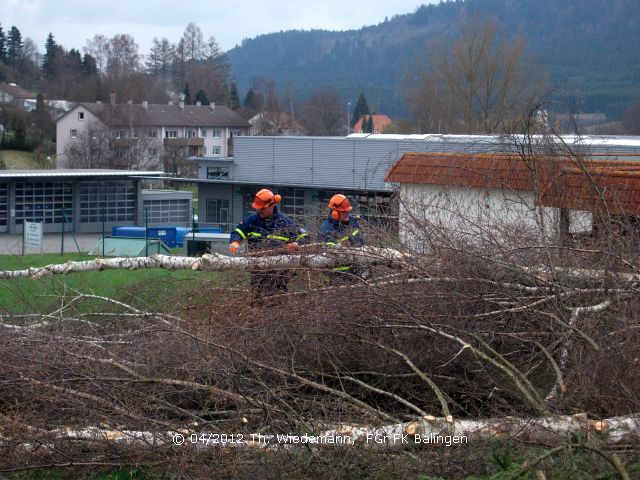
[
  {"x": 192, "y": 132},
  {"x": 112, "y": 201},
  {"x": 167, "y": 211},
  {"x": 4, "y": 200},
  {"x": 168, "y": 133}
]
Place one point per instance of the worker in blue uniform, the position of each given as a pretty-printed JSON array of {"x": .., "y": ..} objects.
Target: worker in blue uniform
[
  {"x": 268, "y": 229},
  {"x": 341, "y": 228}
]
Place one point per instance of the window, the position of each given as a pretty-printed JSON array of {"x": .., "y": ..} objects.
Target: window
[
  {"x": 80, "y": 115},
  {"x": 109, "y": 201},
  {"x": 218, "y": 213},
  {"x": 215, "y": 150},
  {"x": 153, "y": 152},
  {"x": 189, "y": 133},
  {"x": 215, "y": 132},
  {"x": 93, "y": 133},
  {"x": 119, "y": 134},
  {"x": 153, "y": 133},
  {"x": 171, "y": 134},
  {"x": 292, "y": 201},
  {"x": 203, "y": 132},
  {"x": 47, "y": 202},
  {"x": 170, "y": 211},
  {"x": 135, "y": 133},
  {"x": 74, "y": 133},
  {"x": 4, "y": 201},
  {"x": 235, "y": 133},
  {"x": 214, "y": 173}
]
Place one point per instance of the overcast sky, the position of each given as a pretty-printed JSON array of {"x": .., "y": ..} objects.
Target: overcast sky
[{"x": 72, "y": 22}]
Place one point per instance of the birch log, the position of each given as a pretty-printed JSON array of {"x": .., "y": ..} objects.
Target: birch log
[
  {"x": 217, "y": 262},
  {"x": 430, "y": 432}
]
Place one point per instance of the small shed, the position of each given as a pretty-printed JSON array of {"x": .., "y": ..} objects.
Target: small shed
[{"x": 129, "y": 247}]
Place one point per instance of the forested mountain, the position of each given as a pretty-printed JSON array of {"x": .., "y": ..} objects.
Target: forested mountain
[{"x": 589, "y": 46}]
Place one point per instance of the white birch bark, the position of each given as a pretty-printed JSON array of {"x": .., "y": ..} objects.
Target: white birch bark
[{"x": 217, "y": 262}]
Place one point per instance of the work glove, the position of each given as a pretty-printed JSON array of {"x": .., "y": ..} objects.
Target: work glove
[
  {"x": 292, "y": 246},
  {"x": 234, "y": 246}
]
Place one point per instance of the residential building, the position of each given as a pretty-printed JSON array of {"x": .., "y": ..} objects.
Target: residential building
[
  {"x": 87, "y": 200},
  {"x": 502, "y": 197},
  {"x": 379, "y": 122},
  {"x": 275, "y": 123},
  {"x": 10, "y": 93},
  {"x": 134, "y": 136}
]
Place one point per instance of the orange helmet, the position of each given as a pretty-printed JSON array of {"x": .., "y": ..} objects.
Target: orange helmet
[
  {"x": 340, "y": 203},
  {"x": 264, "y": 198}
]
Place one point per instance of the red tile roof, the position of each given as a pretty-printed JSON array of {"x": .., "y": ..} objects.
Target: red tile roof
[
  {"x": 379, "y": 122},
  {"x": 15, "y": 91},
  {"x": 607, "y": 185}
]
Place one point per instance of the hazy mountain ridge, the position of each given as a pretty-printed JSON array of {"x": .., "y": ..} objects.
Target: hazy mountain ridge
[{"x": 590, "y": 47}]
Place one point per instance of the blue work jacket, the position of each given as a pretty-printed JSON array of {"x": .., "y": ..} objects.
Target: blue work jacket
[
  {"x": 334, "y": 232},
  {"x": 268, "y": 233}
]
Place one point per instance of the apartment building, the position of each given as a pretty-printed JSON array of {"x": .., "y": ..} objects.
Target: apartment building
[{"x": 134, "y": 136}]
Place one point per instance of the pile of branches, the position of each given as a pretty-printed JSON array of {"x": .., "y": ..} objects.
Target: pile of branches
[{"x": 455, "y": 342}]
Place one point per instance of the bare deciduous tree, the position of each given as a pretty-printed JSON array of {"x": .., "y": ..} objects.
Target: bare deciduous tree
[{"x": 480, "y": 76}]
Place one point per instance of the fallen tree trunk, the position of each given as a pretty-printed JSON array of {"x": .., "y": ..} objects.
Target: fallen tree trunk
[
  {"x": 426, "y": 431},
  {"x": 217, "y": 262}
]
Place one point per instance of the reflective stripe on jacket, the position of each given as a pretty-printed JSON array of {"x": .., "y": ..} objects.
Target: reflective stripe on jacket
[
  {"x": 334, "y": 232},
  {"x": 265, "y": 233}
]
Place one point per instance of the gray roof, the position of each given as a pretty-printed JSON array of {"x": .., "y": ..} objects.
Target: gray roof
[
  {"x": 165, "y": 115},
  {"x": 67, "y": 172}
]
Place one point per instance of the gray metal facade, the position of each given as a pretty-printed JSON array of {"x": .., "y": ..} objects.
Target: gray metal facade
[{"x": 81, "y": 200}]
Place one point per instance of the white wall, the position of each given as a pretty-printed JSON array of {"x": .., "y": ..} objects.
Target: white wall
[
  {"x": 64, "y": 126},
  {"x": 463, "y": 215}
]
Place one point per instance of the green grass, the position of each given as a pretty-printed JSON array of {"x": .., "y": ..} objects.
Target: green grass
[
  {"x": 152, "y": 289},
  {"x": 18, "y": 160}
]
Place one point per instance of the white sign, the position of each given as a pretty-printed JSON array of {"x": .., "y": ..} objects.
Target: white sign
[{"x": 33, "y": 234}]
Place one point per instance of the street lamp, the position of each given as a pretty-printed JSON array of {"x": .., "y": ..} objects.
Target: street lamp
[{"x": 348, "y": 116}]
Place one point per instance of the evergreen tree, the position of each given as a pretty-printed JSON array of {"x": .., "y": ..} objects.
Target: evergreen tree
[
  {"x": 14, "y": 46},
  {"x": 234, "y": 97},
  {"x": 89, "y": 65},
  {"x": 3, "y": 46},
  {"x": 49, "y": 67},
  {"x": 187, "y": 94},
  {"x": 250, "y": 99},
  {"x": 74, "y": 60},
  {"x": 201, "y": 97},
  {"x": 360, "y": 109}
]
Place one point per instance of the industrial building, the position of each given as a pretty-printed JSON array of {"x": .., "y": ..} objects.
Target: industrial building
[{"x": 87, "y": 201}]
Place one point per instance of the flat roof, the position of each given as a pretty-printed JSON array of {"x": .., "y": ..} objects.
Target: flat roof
[
  {"x": 85, "y": 172},
  {"x": 227, "y": 181}
]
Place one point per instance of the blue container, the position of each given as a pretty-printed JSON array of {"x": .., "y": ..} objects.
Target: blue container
[
  {"x": 167, "y": 234},
  {"x": 180, "y": 233},
  {"x": 131, "y": 232}
]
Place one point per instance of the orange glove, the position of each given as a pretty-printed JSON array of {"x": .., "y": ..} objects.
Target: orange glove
[
  {"x": 234, "y": 246},
  {"x": 292, "y": 246}
]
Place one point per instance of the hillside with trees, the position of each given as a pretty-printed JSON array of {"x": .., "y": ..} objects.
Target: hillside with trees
[{"x": 586, "y": 46}]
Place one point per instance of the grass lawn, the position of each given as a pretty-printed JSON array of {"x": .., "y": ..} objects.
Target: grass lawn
[
  {"x": 18, "y": 160},
  {"x": 150, "y": 289}
]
